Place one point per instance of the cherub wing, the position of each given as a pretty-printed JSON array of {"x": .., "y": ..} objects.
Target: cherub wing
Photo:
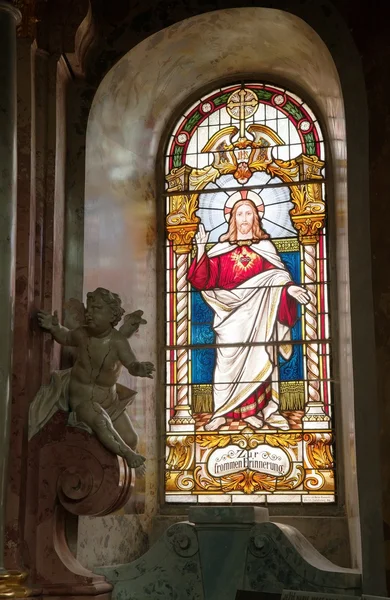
[
  {"x": 131, "y": 323},
  {"x": 74, "y": 313}
]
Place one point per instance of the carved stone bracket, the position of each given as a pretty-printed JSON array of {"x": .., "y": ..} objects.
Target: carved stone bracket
[
  {"x": 75, "y": 474},
  {"x": 226, "y": 549},
  {"x": 170, "y": 569},
  {"x": 280, "y": 557}
]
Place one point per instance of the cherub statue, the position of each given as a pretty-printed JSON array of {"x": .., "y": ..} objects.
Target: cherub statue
[{"x": 90, "y": 389}]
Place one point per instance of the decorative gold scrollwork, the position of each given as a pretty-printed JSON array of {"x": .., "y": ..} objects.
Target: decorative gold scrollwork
[
  {"x": 181, "y": 452},
  {"x": 288, "y": 440},
  {"x": 319, "y": 450},
  {"x": 181, "y": 236},
  {"x": 181, "y": 220}
]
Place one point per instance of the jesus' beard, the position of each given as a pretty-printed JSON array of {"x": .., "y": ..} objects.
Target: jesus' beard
[{"x": 244, "y": 228}]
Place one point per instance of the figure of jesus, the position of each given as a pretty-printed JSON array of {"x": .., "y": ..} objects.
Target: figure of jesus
[{"x": 244, "y": 281}]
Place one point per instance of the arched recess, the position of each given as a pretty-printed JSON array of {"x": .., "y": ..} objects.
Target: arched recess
[{"x": 132, "y": 110}]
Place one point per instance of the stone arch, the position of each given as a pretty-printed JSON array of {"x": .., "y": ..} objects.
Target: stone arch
[{"x": 131, "y": 111}]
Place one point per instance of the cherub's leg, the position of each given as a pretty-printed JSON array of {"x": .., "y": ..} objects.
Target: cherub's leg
[
  {"x": 125, "y": 428},
  {"x": 99, "y": 421}
]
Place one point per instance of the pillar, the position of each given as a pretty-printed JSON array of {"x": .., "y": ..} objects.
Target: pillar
[
  {"x": 9, "y": 18},
  {"x": 182, "y": 224}
]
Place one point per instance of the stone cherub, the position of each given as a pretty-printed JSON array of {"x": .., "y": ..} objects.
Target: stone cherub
[{"x": 90, "y": 389}]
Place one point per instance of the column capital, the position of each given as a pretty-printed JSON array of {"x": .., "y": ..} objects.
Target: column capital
[{"x": 10, "y": 7}]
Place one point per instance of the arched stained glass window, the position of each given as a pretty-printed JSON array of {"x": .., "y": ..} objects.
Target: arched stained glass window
[{"x": 248, "y": 394}]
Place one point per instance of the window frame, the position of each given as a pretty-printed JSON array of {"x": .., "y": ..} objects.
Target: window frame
[{"x": 336, "y": 508}]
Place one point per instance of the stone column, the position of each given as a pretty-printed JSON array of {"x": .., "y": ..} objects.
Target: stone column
[{"x": 9, "y": 18}]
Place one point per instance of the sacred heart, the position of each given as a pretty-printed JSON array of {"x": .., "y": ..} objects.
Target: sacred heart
[{"x": 245, "y": 260}]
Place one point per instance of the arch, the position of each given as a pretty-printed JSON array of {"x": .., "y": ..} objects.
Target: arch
[{"x": 130, "y": 113}]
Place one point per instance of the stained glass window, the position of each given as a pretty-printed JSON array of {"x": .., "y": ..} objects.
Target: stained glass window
[{"x": 248, "y": 344}]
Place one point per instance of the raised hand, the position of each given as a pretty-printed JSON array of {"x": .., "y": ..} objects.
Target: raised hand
[
  {"x": 299, "y": 293},
  {"x": 132, "y": 322},
  {"x": 47, "y": 321},
  {"x": 136, "y": 316},
  {"x": 201, "y": 240},
  {"x": 145, "y": 369}
]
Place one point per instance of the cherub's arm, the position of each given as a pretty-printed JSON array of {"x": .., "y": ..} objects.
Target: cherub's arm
[
  {"x": 131, "y": 323},
  {"x": 62, "y": 335},
  {"x": 128, "y": 359}
]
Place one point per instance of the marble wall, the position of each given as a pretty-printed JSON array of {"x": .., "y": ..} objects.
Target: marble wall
[{"x": 38, "y": 270}]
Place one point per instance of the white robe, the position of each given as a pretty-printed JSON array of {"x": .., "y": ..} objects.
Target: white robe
[{"x": 247, "y": 314}]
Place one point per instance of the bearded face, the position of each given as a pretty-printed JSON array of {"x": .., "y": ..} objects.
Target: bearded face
[{"x": 244, "y": 219}]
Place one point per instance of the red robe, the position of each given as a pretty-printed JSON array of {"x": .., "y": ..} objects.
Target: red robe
[{"x": 228, "y": 271}]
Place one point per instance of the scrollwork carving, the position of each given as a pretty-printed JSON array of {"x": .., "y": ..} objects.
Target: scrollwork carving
[
  {"x": 260, "y": 545},
  {"x": 182, "y": 539},
  {"x": 75, "y": 474}
]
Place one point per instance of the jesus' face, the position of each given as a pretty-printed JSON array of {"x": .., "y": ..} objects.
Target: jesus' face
[{"x": 244, "y": 219}]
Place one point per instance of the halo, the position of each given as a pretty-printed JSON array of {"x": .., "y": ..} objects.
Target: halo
[{"x": 244, "y": 195}]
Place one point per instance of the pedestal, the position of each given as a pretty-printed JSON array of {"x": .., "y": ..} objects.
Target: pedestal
[
  {"x": 224, "y": 532},
  {"x": 223, "y": 550}
]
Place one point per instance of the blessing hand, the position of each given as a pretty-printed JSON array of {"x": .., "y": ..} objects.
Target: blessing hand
[
  {"x": 299, "y": 293},
  {"x": 201, "y": 240}
]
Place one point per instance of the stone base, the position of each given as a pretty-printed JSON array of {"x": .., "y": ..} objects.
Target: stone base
[{"x": 225, "y": 549}]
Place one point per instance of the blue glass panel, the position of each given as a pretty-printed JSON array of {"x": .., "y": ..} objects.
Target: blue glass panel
[
  {"x": 201, "y": 312},
  {"x": 292, "y": 369},
  {"x": 292, "y": 262},
  {"x": 202, "y": 365},
  {"x": 202, "y": 334},
  {"x": 296, "y": 331}
]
